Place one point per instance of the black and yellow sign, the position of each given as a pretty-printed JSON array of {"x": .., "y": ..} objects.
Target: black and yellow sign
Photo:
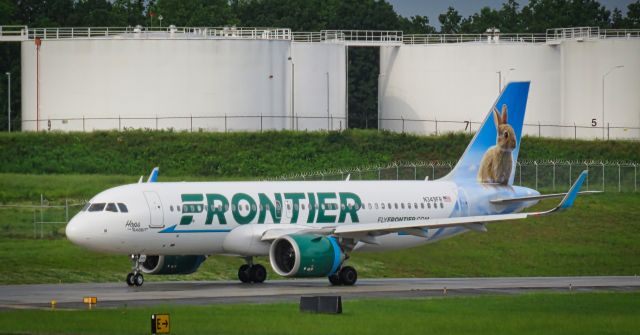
[{"x": 160, "y": 324}]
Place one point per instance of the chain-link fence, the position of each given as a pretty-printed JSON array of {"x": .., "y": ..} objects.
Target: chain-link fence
[
  {"x": 45, "y": 220},
  {"x": 541, "y": 175},
  {"x": 231, "y": 123}
]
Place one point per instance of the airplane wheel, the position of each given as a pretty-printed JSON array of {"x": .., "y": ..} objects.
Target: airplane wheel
[
  {"x": 243, "y": 273},
  {"x": 130, "y": 279},
  {"x": 138, "y": 279},
  {"x": 258, "y": 273},
  {"x": 334, "y": 279},
  {"x": 348, "y": 276}
]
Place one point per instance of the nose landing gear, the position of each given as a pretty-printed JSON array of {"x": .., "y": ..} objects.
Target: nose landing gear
[{"x": 135, "y": 277}]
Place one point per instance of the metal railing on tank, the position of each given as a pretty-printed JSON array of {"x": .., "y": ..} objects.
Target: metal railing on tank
[
  {"x": 469, "y": 38},
  {"x": 170, "y": 32}
]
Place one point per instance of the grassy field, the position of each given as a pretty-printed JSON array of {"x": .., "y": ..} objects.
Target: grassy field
[
  {"x": 597, "y": 237},
  {"x": 576, "y": 313}
]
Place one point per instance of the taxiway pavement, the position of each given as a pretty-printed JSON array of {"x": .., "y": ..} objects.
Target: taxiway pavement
[{"x": 212, "y": 292}]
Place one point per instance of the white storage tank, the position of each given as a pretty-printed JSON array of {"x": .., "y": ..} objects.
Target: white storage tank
[{"x": 182, "y": 81}]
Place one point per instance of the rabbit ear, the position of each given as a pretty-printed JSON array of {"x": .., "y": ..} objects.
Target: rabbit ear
[
  {"x": 496, "y": 117},
  {"x": 504, "y": 114}
]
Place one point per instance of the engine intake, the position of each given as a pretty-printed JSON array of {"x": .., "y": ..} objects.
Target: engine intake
[
  {"x": 305, "y": 255},
  {"x": 171, "y": 265}
]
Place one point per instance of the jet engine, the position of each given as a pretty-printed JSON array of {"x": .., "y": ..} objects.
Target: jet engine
[
  {"x": 171, "y": 265},
  {"x": 305, "y": 255}
]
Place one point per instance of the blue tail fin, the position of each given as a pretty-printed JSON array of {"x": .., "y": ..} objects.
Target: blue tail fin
[{"x": 492, "y": 154}]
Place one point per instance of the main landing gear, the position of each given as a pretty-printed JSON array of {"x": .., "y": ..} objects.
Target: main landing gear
[
  {"x": 252, "y": 273},
  {"x": 135, "y": 277},
  {"x": 346, "y": 276}
]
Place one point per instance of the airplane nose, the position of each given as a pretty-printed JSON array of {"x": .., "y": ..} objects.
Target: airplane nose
[{"x": 74, "y": 231}]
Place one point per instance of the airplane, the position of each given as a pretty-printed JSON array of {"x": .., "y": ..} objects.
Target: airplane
[{"x": 312, "y": 228}]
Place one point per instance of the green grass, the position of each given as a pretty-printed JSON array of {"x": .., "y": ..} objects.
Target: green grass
[
  {"x": 245, "y": 155},
  {"x": 575, "y": 313},
  {"x": 596, "y": 237}
]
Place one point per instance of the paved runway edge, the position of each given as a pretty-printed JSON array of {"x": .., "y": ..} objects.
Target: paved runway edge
[{"x": 212, "y": 292}]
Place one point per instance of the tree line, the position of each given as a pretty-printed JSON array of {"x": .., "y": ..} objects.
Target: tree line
[{"x": 300, "y": 15}]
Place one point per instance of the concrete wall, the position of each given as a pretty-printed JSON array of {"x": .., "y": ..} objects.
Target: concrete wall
[
  {"x": 453, "y": 83},
  {"x": 104, "y": 83}
]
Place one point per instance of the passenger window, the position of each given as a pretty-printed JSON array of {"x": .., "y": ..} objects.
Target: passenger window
[
  {"x": 441, "y": 205},
  {"x": 302, "y": 206},
  {"x": 178, "y": 208},
  {"x": 415, "y": 205},
  {"x": 376, "y": 205},
  {"x": 422, "y": 205},
  {"x": 171, "y": 208},
  {"x": 402, "y": 205},
  {"x": 96, "y": 207},
  {"x": 382, "y": 205},
  {"x": 370, "y": 206},
  {"x": 111, "y": 207},
  {"x": 389, "y": 205},
  {"x": 253, "y": 207},
  {"x": 429, "y": 205},
  {"x": 86, "y": 206},
  {"x": 396, "y": 205},
  {"x": 409, "y": 205}
]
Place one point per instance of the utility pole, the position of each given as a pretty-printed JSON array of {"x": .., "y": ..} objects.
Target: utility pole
[{"x": 604, "y": 76}]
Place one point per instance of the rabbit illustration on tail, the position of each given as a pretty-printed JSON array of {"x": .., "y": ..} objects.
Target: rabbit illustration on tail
[{"x": 497, "y": 162}]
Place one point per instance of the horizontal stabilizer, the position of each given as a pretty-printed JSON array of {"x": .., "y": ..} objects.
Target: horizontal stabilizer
[{"x": 537, "y": 197}]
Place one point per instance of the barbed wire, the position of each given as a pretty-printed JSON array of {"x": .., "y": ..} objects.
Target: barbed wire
[{"x": 445, "y": 164}]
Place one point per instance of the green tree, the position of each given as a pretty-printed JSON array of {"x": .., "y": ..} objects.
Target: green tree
[
  {"x": 540, "y": 15},
  {"x": 194, "y": 13},
  {"x": 450, "y": 21},
  {"x": 299, "y": 15},
  {"x": 632, "y": 21},
  {"x": 416, "y": 25}
]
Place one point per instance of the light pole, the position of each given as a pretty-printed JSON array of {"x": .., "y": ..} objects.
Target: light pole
[
  {"x": 500, "y": 78},
  {"x": 604, "y": 76},
  {"x": 8, "y": 101}
]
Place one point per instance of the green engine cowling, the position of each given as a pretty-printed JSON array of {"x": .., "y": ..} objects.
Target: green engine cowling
[
  {"x": 305, "y": 255},
  {"x": 171, "y": 265}
]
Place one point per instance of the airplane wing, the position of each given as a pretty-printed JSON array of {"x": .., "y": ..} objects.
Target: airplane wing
[{"x": 415, "y": 227}]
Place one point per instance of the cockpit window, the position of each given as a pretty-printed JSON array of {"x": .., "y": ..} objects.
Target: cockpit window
[
  {"x": 111, "y": 207},
  {"x": 86, "y": 206},
  {"x": 96, "y": 207},
  {"x": 123, "y": 208}
]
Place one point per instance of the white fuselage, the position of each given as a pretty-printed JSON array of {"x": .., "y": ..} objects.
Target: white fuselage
[{"x": 194, "y": 218}]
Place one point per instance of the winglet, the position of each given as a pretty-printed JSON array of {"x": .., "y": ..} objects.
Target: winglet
[
  {"x": 568, "y": 199},
  {"x": 153, "y": 177}
]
